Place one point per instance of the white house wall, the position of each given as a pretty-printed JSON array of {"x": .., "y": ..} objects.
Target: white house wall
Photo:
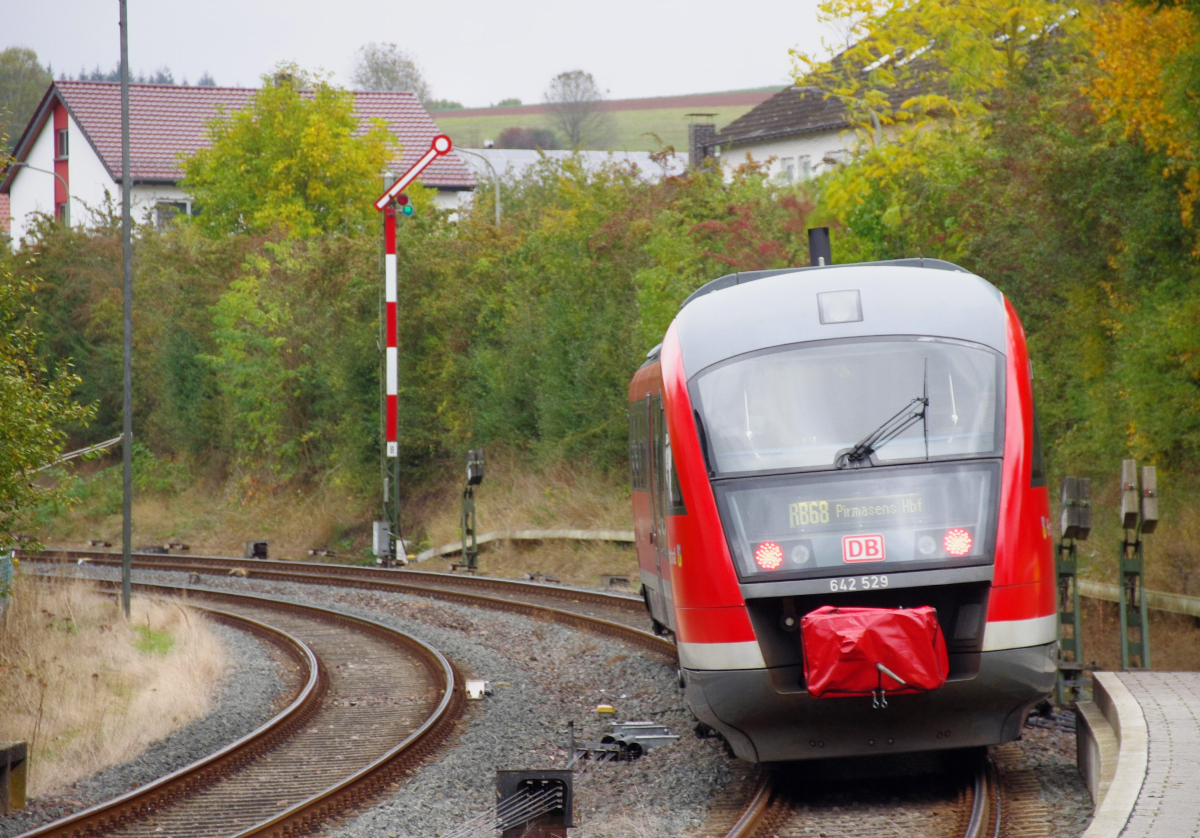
[
  {"x": 816, "y": 147},
  {"x": 33, "y": 191},
  {"x": 90, "y": 186},
  {"x": 90, "y": 181}
]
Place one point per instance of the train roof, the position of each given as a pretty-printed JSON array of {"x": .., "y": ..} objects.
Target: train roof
[{"x": 756, "y": 310}]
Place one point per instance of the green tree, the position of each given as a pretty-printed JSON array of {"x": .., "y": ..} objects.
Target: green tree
[
  {"x": 36, "y": 407},
  {"x": 23, "y": 82},
  {"x": 295, "y": 158}
]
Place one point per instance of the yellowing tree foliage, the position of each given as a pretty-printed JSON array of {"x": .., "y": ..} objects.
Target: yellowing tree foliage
[
  {"x": 906, "y": 67},
  {"x": 294, "y": 158},
  {"x": 1139, "y": 51},
  {"x": 910, "y": 62}
]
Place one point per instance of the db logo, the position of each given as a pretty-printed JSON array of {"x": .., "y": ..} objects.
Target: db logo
[{"x": 862, "y": 548}]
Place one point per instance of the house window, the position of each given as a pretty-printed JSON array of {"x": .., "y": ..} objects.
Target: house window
[
  {"x": 787, "y": 169},
  {"x": 804, "y": 166},
  {"x": 63, "y": 147},
  {"x": 164, "y": 211}
]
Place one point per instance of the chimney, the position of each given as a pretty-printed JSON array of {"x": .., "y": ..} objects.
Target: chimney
[{"x": 702, "y": 135}]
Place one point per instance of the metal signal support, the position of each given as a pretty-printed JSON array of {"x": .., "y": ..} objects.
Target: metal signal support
[
  {"x": 1076, "y": 526},
  {"x": 470, "y": 530},
  {"x": 1139, "y": 516},
  {"x": 387, "y": 204},
  {"x": 1070, "y": 683}
]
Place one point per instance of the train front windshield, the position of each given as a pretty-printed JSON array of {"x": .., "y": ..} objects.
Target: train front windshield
[{"x": 781, "y": 430}]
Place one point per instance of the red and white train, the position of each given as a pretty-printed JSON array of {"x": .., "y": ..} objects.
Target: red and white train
[{"x": 845, "y": 435}]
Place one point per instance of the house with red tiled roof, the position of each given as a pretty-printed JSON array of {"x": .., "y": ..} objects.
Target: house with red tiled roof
[{"x": 68, "y": 160}]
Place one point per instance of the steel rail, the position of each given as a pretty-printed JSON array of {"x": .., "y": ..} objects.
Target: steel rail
[
  {"x": 756, "y": 809},
  {"x": 187, "y": 561},
  {"x": 440, "y": 586},
  {"x": 207, "y": 770},
  {"x": 359, "y": 785},
  {"x": 767, "y": 810}
]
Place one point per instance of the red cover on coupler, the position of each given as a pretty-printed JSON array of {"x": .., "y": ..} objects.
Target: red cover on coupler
[{"x": 864, "y": 651}]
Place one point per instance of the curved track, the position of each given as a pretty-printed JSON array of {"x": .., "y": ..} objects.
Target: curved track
[
  {"x": 968, "y": 800},
  {"x": 616, "y": 615},
  {"x": 376, "y": 701}
]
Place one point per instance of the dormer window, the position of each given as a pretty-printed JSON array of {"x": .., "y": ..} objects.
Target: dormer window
[{"x": 62, "y": 144}]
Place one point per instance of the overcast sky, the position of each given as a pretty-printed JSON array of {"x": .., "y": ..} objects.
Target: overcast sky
[{"x": 476, "y": 53}]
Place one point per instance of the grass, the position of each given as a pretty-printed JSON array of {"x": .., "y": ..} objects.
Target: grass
[
  {"x": 1174, "y": 638},
  {"x": 1170, "y": 551},
  {"x": 153, "y": 642},
  {"x": 630, "y": 130},
  {"x": 211, "y": 519},
  {"x": 517, "y": 493},
  {"x": 88, "y": 690},
  {"x": 520, "y": 493}
]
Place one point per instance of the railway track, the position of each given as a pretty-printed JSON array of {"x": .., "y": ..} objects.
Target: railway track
[
  {"x": 224, "y": 795},
  {"x": 784, "y": 804},
  {"x": 809, "y": 799},
  {"x": 374, "y": 703},
  {"x": 619, "y": 616}
]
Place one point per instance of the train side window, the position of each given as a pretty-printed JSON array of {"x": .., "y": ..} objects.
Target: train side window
[
  {"x": 1037, "y": 472},
  {"x": 639, "y": 439},
  {"x": 660, "y": 463},
  {"x": 666, "y": 479},
  {"x": 676, "y": 505}
]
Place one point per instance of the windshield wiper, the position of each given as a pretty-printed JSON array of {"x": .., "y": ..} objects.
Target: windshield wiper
[{"x": 904, "y": 419}]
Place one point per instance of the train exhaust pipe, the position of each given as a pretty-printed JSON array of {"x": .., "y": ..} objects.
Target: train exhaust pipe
[{"x": 820, "y": 251}]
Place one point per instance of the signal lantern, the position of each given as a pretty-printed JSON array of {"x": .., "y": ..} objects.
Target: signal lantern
[
  {"x": 957, "y": 542},
  {"x": 768, "y": 555},
  {"x": 405, "y": 206}
]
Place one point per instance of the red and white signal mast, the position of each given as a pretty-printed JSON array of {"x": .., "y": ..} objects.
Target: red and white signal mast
[{"x": 389, "y": 203}]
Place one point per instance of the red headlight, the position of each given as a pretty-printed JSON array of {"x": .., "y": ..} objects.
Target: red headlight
[
  {"x": 768, "y": 555},
  {"x": 957, "y": 542}
]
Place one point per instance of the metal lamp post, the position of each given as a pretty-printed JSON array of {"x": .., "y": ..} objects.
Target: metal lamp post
[
  {"x": 495, "y": 178},
  {"x": 127, "y": 305}
]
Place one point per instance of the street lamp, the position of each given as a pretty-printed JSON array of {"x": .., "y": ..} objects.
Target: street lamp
[
  {"x": 66, "y": 188},
  {"x": 495, "y": 177}
]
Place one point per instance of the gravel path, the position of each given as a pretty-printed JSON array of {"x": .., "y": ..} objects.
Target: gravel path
[
  {"x": 543, "y": 676},
  {"x": 242, "y": 701}
]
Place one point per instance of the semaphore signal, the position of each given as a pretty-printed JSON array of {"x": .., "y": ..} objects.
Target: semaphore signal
[{"x": 387, "y": 202}]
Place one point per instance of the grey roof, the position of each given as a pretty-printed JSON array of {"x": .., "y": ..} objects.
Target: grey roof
[{"x": 790, "y": 112}]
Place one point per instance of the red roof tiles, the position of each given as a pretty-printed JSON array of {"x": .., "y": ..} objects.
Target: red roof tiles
[
  {"x": 165, "y": 120},
  {"x": 5, "y": 213}
]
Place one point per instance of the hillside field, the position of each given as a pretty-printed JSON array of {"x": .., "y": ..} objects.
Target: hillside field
[{"x": 631, "y": 129}]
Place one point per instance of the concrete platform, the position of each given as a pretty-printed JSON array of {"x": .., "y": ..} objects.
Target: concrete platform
[{"x": 1139, "y": 750}]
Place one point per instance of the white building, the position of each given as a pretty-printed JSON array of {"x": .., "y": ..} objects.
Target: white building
[
  {"x": 803, "y": 131},
  {"x": 516, "y": 161},
  {"x": 68, "y": 160}
]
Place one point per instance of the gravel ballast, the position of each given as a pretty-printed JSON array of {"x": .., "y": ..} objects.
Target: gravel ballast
[
  {"x": 543, "y": 676},
  {"x": 245, "y": 698}
]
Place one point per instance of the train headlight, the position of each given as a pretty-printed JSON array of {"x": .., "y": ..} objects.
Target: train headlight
[
  {"x": 768, "y": 555},
  {"x": 957, "y": 542},
  {"x": 927, "y": 545}
]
